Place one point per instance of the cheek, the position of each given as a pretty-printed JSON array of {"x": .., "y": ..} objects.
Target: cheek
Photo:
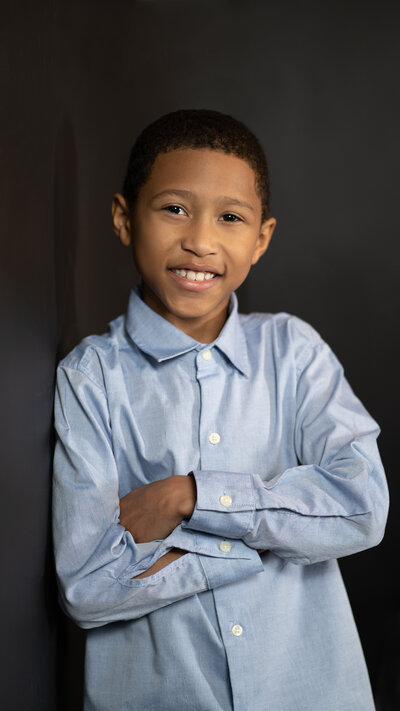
[
  {"x": 242, "y": 256},
  {"x": 156, "y": 237},
  {"x": 144, "y": 241},
  {"x": 142, "y": 254}
]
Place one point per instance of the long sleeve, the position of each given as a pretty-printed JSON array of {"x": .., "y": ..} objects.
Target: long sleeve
[
  {"x": 333, "y": 503},
  {"x": 96, "y": 558}
]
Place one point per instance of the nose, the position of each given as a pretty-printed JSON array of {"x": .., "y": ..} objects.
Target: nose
[{"x": 200, "y": 237}]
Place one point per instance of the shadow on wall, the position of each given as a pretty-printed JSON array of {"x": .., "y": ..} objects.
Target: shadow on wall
[
  {"x": 65, "y": 235},
  {"x": 71, "y": 640}
]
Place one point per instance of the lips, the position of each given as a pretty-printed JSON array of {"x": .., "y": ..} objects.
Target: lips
[
  {"x": 193, "y": 277},
  {"x": 192, "y": 267}
]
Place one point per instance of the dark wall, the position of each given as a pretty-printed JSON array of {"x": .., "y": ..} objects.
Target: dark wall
[
  {"x": 318, "y": 83},
  {"x": 28, "y": 343}
]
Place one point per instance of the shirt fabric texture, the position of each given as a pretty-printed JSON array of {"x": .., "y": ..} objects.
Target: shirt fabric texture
[{"x": 285, "y": 460}]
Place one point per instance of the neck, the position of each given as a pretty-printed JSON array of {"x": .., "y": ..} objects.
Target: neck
[
  {"x": 203, "y": 329},
  {"x": 205, "y": 332}
]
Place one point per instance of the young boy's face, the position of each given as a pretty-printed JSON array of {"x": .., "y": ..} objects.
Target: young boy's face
[{"x": 195, "y": 232}]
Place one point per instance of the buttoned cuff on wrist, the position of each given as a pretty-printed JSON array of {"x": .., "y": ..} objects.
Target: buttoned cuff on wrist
[{"x": 225, "y": 503}]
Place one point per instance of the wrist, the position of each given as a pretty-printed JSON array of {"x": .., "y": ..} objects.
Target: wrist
[{"x": 187, "y": 495}]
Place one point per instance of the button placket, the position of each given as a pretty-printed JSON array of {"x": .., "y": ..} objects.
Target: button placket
[{"x": 209, "y": 374}]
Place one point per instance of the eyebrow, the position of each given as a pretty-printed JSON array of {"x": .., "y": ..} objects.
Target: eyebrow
[{"x": 189, "y": 194}]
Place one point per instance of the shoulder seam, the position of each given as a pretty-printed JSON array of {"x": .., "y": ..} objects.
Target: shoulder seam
[
  {"x": 307, "y": 348},
  {"x": 82, "y": 369}
]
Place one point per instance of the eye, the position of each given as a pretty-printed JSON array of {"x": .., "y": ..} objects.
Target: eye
[
  {"x": 174, "y": 209},
  {"x": 231, "y": 217}
]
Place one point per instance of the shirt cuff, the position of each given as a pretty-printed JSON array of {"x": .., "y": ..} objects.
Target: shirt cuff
[
  {"x": 207, "y": 544},
  {"x": 220, "y": 494},
  {"x": 244, "y": 561},
  {"x": 218, "y": 573},
  {"x": 203, "y": 569}
]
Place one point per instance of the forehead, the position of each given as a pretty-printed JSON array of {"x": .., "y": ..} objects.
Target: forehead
[{"x": 205, "y": 172}]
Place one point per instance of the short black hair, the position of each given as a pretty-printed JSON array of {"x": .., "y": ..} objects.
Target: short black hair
[{"x": 195, "y": 128}]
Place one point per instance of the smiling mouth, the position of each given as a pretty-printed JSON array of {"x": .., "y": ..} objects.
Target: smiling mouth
[{"x": 194, "y": 275}]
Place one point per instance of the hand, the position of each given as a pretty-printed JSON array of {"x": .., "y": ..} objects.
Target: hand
[{"x": 153, "y": 511}]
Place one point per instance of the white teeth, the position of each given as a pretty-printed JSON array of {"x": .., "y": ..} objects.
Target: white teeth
[{"x": 194, "y": 276}]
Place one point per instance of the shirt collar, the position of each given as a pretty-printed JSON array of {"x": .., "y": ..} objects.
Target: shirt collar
[{"x": 162, "y": 340}]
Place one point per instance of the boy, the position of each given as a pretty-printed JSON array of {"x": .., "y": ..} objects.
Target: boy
[{"x": 210, "y": 467}]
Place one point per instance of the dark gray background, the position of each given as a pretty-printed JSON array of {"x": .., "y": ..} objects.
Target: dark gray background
[{"x": 319, "y": 84}]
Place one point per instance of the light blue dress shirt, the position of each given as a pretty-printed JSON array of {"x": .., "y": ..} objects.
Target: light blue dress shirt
[{"x": 285, "y": 460}]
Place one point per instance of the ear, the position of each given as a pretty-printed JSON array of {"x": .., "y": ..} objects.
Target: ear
[
  {"x": 264, "y": 238},
  {"x": 121, "y": 219}
]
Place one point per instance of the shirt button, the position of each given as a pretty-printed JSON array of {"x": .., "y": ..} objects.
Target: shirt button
[
  {"x": 225, "y": 546},
  {"x": 225, "y": 500},
  {"x": 237, "y": 630},
  {"x": 206, "y": 355},
  {"x": 214, "y": 438}
]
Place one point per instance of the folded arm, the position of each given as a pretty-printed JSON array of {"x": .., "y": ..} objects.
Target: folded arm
[
  {"x": 333, "y": 503},
  {"x": 101, "y": 568},
  {"x": 152, "y": 511}
]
